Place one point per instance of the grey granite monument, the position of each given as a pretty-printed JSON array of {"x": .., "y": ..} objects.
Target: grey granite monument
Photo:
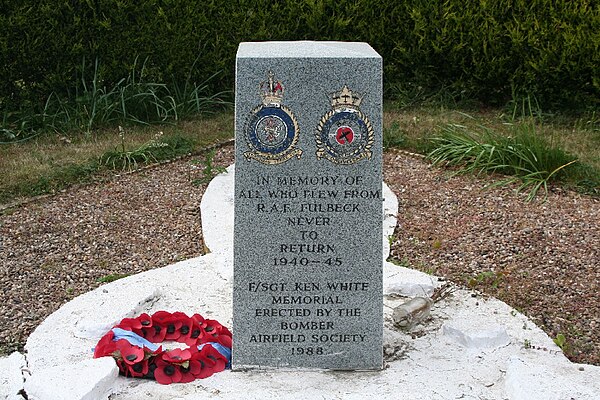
[{"x": 308, "y": 206}]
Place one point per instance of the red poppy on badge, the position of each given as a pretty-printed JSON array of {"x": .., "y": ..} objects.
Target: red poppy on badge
[{"x": 344, "y": 135}]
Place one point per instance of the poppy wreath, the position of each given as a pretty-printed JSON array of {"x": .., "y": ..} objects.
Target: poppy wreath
[{"x": 133, "y": 344}]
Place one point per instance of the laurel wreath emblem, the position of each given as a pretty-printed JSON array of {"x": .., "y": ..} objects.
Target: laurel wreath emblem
[{"x": 324, "y": 150}]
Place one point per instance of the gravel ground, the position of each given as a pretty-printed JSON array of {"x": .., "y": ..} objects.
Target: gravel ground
[{"x": 541, "y": 258}]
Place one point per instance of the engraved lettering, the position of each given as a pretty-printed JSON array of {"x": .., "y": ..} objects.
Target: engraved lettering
[
  {"x": 306, "y": 325},
  {"x": 306, "y": 300},
  {"x": 309, "y": 221},
  {"x": 306, "y": 248}
]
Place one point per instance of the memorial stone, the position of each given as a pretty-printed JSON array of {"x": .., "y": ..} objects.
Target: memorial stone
[{"x": 308, "y": 206}]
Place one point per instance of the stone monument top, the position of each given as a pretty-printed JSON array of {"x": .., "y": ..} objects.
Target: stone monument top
[{"x": 306, "y": 49}]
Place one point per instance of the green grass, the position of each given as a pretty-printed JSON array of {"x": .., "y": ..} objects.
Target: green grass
[
  {"x": 111, "y": 278},
  {"x": 49, "y": 163},
  {"x": 519, "y": 142},
  {"x": 525, "y": 157},
  {"x": 154, "y": 150},
  {"x": 94, "y": 106}
]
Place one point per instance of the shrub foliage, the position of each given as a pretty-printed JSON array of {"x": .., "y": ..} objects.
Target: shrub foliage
[{"x": 483, "y": 49}]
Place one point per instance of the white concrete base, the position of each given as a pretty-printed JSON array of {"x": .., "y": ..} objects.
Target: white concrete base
[
  {"x": 407, "y": 282},
  {"x": 529, "y": 380},
  {"x": 428, "y": 363},
  {"x": 11, "y": 376}
]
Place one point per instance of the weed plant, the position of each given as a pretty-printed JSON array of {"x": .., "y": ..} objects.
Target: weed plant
[
  {"x": 154, "y": 150},
  {"x": 209, "y": 170},
  {"x": 525, "y": 158}
]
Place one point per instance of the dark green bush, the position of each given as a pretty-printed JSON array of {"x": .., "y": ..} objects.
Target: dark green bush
[{"x": 488, "y": 50}]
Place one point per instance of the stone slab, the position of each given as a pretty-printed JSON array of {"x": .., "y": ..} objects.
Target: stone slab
[
  {"x": 530, "y": 380},
  {"x": 308, "y": 206},
  {"x": 476, "y": 336},
  {"x": 91, "y": 379},
  {"x": 306, "y": 49},
  {"x": 407, "y": 282},
  {"x": 11, "y": 376}
]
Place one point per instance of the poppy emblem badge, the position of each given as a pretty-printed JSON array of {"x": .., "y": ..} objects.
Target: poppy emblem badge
[{"x": 344, "y": 134}]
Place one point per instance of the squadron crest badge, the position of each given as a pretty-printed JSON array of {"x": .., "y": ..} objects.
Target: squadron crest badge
[
  {"x": 344, "y": 134},
  {"x": 272, "y": 129}
]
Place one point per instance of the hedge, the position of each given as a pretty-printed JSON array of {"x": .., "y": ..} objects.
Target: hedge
[{"x": 488, "y": 50}]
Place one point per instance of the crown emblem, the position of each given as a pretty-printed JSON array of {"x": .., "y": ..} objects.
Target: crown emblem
[
  {"x": 271, "y": 90},
  {"x": 345, "y": 98}
]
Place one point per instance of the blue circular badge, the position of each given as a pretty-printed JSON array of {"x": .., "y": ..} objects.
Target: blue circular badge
[
  {"x": 271, "y": 130},
  {"x": 271, "y": 134},
  {"x": 344, "y": 136}
]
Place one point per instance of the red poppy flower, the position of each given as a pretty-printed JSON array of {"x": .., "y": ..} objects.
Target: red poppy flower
[
  {"x": 224, "y": 340},
  {"x": 177, "y": 356},
  {"x": 190, "y": 371},
  {"x": 171, "y": 323},
  {"x": 225, "y": 331},
  {"x": 196, "y": 331},
  {"x": 130, "y": 354},
  {"x": 137, "y": 370},
  {"x": 140, "y": 369},
  {"x": 166, "y": 373},
  {"x": 198, "y": 319},
  {"x": 130, "y": 324},
  {"x": 105, "y": 346},
  {"x": 185, "y": 331},
  {"x": 215, "y": 360},
  {"x": 161, "y": 316},
  {"x": 202, "y": 368},
  {"x": 178, "y": 315},
  {"x": 227, "y": 334},
  {"x": 144, "y": 321},
  {"x": 213, "y": 329},
  {"x": 155, "y": 333},
  {"x": 178, "y": 327}
]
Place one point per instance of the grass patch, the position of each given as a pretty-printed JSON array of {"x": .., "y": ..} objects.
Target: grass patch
[
  {"x": 50, "y": 163},
  {"x": 130, "y": 101},
  {"x": 525, "y": 157},
  {"x": 539, "y": 143}
]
